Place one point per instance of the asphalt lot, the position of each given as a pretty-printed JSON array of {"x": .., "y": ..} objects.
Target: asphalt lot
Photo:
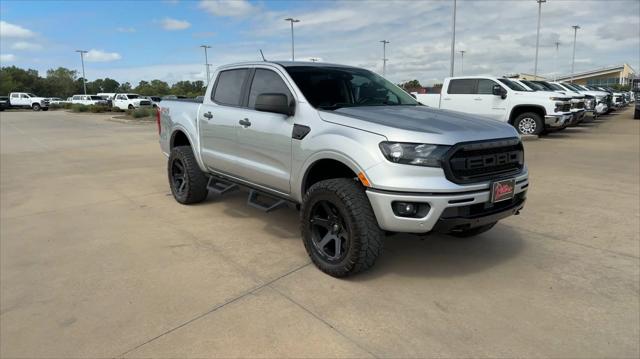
[{"x": 98, "y": 260}]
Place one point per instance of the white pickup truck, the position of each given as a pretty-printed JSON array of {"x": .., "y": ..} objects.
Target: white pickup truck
[
  {"x": 129, "y": 101},
  {"x": 504, "y": 100},
  {"x": 88, "y": 100},
  {"x": 28, "y": 100}
]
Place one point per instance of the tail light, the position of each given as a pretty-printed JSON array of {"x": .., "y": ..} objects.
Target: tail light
[{"x": 158, "y": 119}]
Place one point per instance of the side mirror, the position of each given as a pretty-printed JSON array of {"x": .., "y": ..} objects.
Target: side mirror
[
  {"x": 276, "y": 103},
  {"x": 499, "y": 91}
]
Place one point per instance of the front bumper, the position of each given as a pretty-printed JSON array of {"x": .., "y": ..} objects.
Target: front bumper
[
  {"x": 381, "y": 202},
  {"x": 557, "y": 121},
  {"x": 578, "y": 116}
]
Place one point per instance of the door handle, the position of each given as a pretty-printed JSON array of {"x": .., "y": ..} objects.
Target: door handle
[
  {"x": 245, "y": 122},
  {"x": 208, "y": 115}
]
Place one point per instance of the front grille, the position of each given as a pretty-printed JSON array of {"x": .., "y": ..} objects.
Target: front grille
[
  {"x": 579, "y": 104},
  {"x": 486, "y": 160},
  {"x": 563, "y": 108},
  {"x": 482, "y": 209},
  {"x": 145, "y": 103}
]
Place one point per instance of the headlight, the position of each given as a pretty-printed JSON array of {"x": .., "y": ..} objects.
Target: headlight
[{"x": 417, "y": 154}]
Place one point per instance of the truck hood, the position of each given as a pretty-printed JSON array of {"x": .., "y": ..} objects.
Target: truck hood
[
  {"x": 543, "y": 95},
  {"x": 420, "y": 124}
]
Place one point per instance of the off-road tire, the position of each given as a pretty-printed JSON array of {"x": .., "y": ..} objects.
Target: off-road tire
[
  {"x": 36, "y": 107},
  {"x": 473, "y": 231},
  {"x": 130, "y": 107},
  {"x": 195, "y": 187},
  {"x": 529, "y": 123},
  {"x": 365, "y": 237}
]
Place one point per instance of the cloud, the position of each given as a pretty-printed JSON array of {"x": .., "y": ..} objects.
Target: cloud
[
  {"x": 101, "y": 56},
  {"x": 125, "y": 29},
  {"x": 7, "y": 58},
  {"x": 28, "y": 46},
  {"x": 8, "y": 30},
  {"x": 173, "y": 24},
  {"x": 229, "y": 8}
]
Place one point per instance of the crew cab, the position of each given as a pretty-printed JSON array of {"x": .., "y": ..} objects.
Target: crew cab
[
  {"x": 504, "y": 100},
  {"x": 577, "y": 99},
  {"x": 357, "y": 155},
  {"x": 28, "y": 100},
  {"x": 129, "y": 101},
  {"x": 88, "y": 100}
]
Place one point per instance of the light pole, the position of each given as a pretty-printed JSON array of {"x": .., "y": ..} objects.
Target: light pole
[
  {"x": 462, "y": 62},
  {"x": 573, "y": 59},
  {"x": 206, "y": 61},
  {"x": 384, "y": 57},
  {"x": 535, "y": 67},
  {"x": 292, "y": 20},
  {"x": 555, "y": 65},
  {"x": 453, "y": 39},
  {"x": 84, "y": 79}
]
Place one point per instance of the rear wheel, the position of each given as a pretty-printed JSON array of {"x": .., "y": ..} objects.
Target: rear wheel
[
  {"x": 339, "y": 229},
  {"x": 188, "y": 183},
  {"x": 528, "y": 123}
]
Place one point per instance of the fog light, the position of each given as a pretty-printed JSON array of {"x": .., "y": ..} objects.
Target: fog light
[{"x": 410, "y": 209}]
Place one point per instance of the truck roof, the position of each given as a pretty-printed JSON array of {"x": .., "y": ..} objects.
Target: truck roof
[{"x": 287, "y": 64}]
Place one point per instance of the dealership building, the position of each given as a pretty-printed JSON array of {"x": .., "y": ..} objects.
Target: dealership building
[{"x": 607, "y": 76}]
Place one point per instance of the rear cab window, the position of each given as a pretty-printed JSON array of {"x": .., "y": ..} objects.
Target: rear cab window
[
  {"x": 462, "y": 86},
  {"x": 229, "y": 86}
]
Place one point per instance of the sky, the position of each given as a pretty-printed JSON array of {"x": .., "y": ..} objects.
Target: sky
[{"x": 145, "y": 40}]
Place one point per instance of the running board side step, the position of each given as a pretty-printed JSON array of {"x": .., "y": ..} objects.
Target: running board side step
[
  {"x": 220, "y": 187},
  {"x": 264, "y": 202}
]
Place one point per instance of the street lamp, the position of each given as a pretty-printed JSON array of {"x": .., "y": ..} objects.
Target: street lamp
[
  {"x": 84, "y": 79},
  {"x": 535, "y": 67},
  {"x": 206, "y": 61},
  {"x": 292, "y": 20},
  {"x": 555, "y": 65},
  {"x": 573, "y": 59},
  {"x": 384, "y": 57},
  {"x": 462, "y": 62},
  {"x": 453, "y": 39}
]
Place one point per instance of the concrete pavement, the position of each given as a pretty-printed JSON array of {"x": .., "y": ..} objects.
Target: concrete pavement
[{"x": 98, "y": 260}]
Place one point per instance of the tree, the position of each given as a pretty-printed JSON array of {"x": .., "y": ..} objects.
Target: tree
[
  {"x": 15, "y": 79},
  {"x": 124, "y": 87},
  {"x": 411, "y": 86},
  {"x": 61, "y": 82}
]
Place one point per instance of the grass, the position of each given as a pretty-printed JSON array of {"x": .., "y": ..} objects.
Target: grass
[
  {"x": 89, "y": 108},
  {"x": 142, "y": 112}
]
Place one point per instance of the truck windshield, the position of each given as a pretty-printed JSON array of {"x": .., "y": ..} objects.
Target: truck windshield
[
  {"x": 534, "y": 86},
  {"x": 31, "y": 95},
  {"x": 514, "y": 85},
  {"x": 572, "y": 87},
  {"x": 555, "y": 87},
  {"x": 96, "y": 98},
  {"x": 130, "y": 96},
  {"x": 330, "y": 88}
]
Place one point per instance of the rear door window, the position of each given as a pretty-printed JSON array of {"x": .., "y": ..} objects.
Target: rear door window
[
  {"x": 229, "y": 85},
  {"x": 462, "y": 86},
  {"x": 267, "y": 81}
]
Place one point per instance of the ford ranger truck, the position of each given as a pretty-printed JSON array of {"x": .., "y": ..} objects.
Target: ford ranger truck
[
  {"x": 357, "y": 155},
  {"x": 504, "y": 100}
]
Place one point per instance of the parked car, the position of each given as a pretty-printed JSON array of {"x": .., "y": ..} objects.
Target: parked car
[
  {"x": 55, "y": 101},
  {"x": 173, "y": 97},
  {"x": 89, "y": 100},
  {"x": 124, "y": 101},
  {"x": 4, "y": 103},
  {"x": 355, "y": 153},
  {"x": 504, "y": 100},
  {"x": 28, "y": 100},
  {"x": 577, "y": 99},
  {"x": 600, "y": 97},
  {"x": 155, "y": 100}
]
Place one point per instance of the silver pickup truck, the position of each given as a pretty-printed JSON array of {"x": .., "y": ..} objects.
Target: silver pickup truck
[{"x": 358, "y": 157}]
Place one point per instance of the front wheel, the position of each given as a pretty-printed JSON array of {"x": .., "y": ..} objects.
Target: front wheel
[
  {"x": 528, "y": 123},
  {"x": 130, "y": 107},
  {"x": 187, "y": 181},
  {"x": 339, "y": 229},
  {"x": 36, "y": 107}
]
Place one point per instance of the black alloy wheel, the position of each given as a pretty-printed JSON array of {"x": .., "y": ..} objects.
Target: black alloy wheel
[{"x": 329, "y": 232}]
